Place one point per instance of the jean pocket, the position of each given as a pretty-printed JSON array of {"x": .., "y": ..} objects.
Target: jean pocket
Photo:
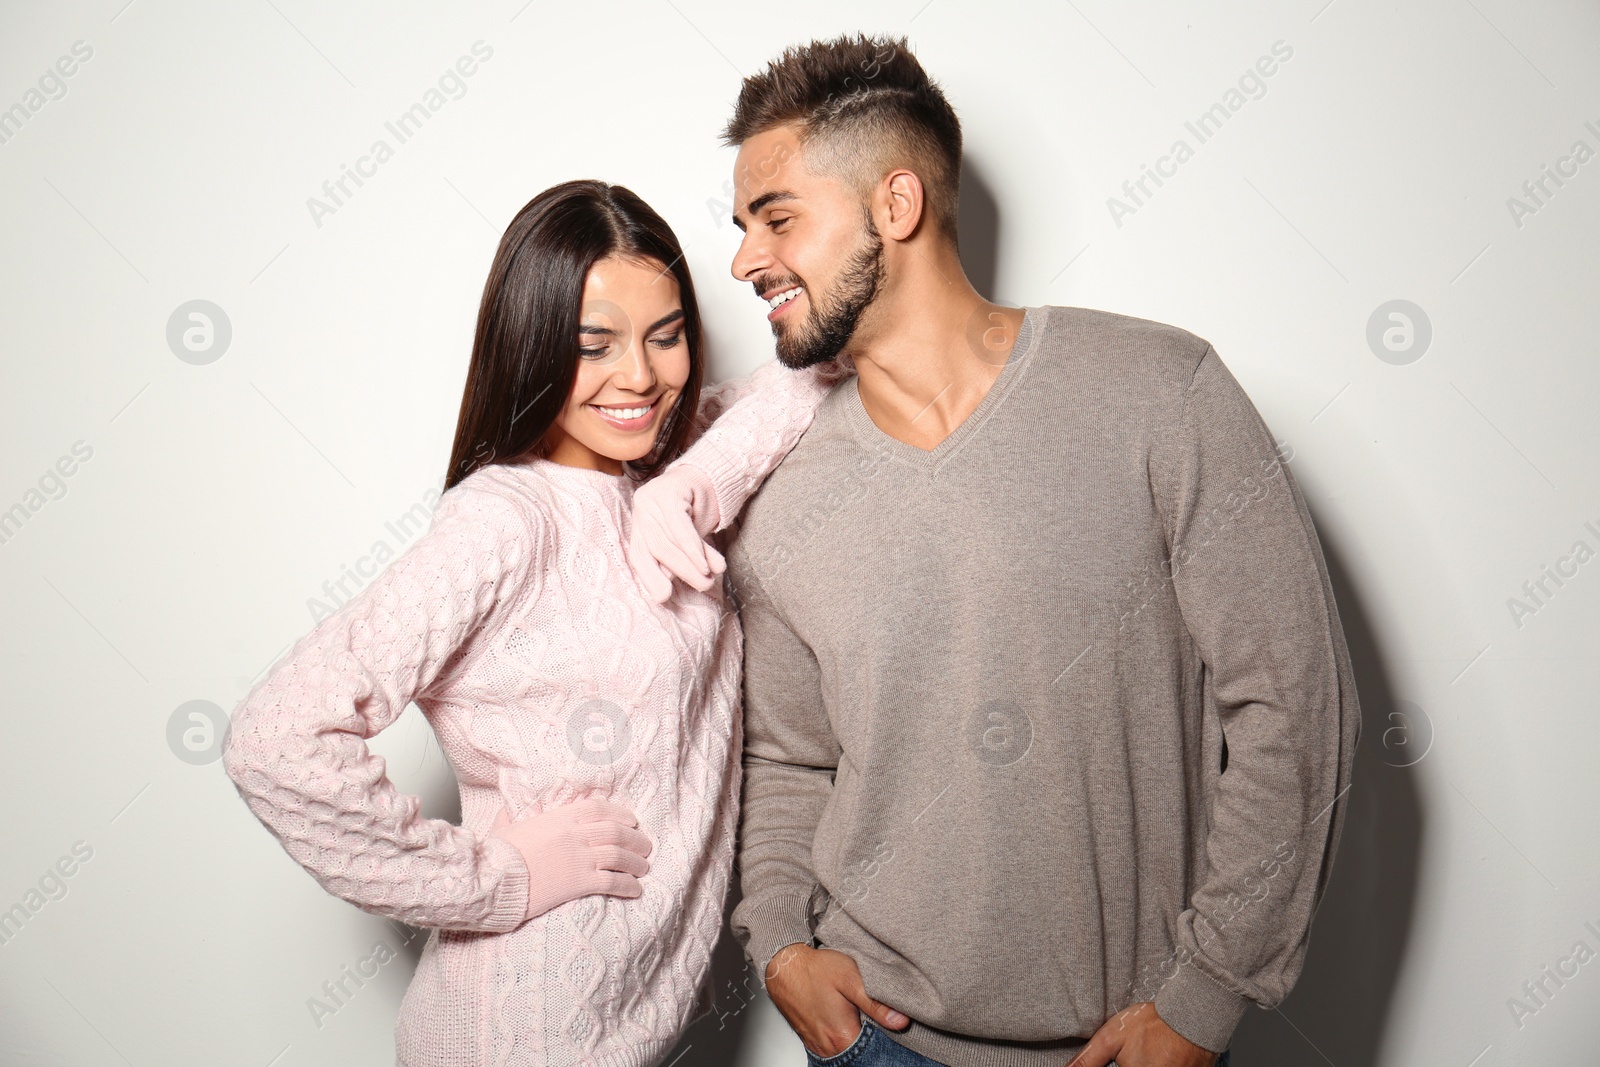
[{"x": 845, "y": 1055}]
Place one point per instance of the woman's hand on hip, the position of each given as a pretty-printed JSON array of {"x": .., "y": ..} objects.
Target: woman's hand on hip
[{"x": 572, "y": 850}]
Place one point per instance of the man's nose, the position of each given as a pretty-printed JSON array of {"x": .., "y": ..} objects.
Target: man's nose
[{"x": 751, "y": 259}]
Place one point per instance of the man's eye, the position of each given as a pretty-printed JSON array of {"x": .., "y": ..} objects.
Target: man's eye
[{"x": 775, "y": 223}]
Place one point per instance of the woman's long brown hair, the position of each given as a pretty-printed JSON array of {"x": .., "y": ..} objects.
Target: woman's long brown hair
[{"x": 525, "y": 352}]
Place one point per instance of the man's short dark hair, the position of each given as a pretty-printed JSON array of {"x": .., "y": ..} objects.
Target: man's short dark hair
[{"x": 863, "y": 106}]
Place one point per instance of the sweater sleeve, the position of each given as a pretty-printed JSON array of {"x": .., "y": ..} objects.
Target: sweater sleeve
[
  {"x": 790, "y": 757},
  {"x": 296, "y": 746},
  {"x": 1252, "y": 585},
  {"x": 745, "y": 427}
]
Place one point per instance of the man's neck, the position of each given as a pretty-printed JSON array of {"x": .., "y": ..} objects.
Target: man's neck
[{"x": 928, "y": 350}]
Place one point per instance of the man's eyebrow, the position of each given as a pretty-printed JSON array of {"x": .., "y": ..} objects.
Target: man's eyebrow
[
  {"x": 777, "y": 196},
  {"x": 671, "y": 316}
]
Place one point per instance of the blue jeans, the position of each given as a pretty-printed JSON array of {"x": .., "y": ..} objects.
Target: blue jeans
[{"x": 872, "y": 1048}]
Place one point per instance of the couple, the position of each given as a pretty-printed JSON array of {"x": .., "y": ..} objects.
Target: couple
[{"x": 1047, "y": 713}]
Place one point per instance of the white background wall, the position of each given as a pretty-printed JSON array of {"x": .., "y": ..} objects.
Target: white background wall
[{"x": 179, "y": 558}]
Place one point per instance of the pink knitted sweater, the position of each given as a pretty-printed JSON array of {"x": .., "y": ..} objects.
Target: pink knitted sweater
[{"x": 517, "y": 626}]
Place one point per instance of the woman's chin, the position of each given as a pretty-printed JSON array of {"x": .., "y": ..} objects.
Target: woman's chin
[{"x": 631, "y": 452}]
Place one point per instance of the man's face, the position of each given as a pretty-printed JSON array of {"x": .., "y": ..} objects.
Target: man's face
[{"x": 809, "y": 248}]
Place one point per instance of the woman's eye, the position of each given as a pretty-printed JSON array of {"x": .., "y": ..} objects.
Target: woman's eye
[
  {"x": 667, "y": 342},
  {"x": 593, "y": 353}
]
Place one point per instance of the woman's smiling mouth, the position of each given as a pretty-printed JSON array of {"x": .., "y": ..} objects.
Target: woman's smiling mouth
[{"x": 627, "y": 418}]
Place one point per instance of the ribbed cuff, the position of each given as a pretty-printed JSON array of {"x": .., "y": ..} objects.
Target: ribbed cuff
[
  {"x": 510, "y": 900},
  {"x": 705, "y": 509},
  {"x": 1199, "y": 1009},
  {"x": 773, "y": 923},
  {"x": 725, "y": 474}
]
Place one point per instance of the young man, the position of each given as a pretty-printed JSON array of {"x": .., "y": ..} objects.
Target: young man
[{"x": 1048, "y": 710}]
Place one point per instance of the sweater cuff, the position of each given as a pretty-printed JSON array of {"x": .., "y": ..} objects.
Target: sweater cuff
[
  {"x": 509, "y": 904},
  {"x": 725, "y": 474},
  {"x": 1199, "y": 1009},
  {"x": 707, "y": 513},
  {"x": 772, "y": 924}
]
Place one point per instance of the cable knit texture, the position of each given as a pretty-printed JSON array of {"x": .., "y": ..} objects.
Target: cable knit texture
[{"x": 521, "y": 633}]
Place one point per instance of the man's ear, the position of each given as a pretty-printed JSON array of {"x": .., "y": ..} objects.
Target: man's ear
[{"x": 901, "y": 204}]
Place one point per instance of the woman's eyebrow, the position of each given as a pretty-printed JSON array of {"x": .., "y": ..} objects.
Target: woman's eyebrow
[{"x": 672, "y": 316}]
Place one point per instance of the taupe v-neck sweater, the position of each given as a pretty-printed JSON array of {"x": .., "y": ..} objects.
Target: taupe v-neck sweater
[{"x": 987, "y": 689}]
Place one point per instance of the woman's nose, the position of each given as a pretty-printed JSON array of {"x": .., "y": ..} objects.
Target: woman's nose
[{"x": 634, "y": 369}]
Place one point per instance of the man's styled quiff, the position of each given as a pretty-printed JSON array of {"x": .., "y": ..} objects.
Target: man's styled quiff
[{"x": 863, "y": 106}]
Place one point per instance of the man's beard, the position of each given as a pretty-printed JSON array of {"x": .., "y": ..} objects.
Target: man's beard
[{"x": 833, "y": 317}]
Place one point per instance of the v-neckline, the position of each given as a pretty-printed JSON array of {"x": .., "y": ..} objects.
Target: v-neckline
[{"x": 876, "y": 439}]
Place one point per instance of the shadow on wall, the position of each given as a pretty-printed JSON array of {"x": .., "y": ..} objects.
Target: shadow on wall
[
  {"x": 978, "y": 230},
  {"x": 1339, "y": 1009}
]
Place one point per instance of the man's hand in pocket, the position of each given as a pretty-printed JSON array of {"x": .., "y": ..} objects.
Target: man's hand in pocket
[{"x": 821, "y": 993}]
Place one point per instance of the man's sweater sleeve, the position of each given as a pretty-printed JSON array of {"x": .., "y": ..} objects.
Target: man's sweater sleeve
[
  {"x": 790, "y": 757},
  {"x": 1253, "y": 588},
  {"x": 296, "y": 746}
]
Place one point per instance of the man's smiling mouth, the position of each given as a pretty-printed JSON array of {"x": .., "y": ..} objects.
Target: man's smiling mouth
[
  {"x": 784, "y": 297},
  {"x": 777, "y": 301}
]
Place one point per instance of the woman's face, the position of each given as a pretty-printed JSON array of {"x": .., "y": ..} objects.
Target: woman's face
[{"x": 633, "y": 361}]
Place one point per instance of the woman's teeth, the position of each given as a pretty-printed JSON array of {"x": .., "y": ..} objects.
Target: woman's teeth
[
  {"x": 623, "y": 414},
  {"x": 784, "y": 297}
]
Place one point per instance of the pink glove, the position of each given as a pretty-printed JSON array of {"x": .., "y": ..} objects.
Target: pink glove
[
  {"x": 573, "y": 850},
  {"x": 672, "y": 514}
]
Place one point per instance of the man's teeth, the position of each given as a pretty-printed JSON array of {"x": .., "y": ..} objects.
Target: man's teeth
[
  {"x": 624, "y": 413},
  {"x": 784, "y": 297}
]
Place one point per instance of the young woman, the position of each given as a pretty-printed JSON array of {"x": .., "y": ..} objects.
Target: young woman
[{"x": 593, "y": 727}]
